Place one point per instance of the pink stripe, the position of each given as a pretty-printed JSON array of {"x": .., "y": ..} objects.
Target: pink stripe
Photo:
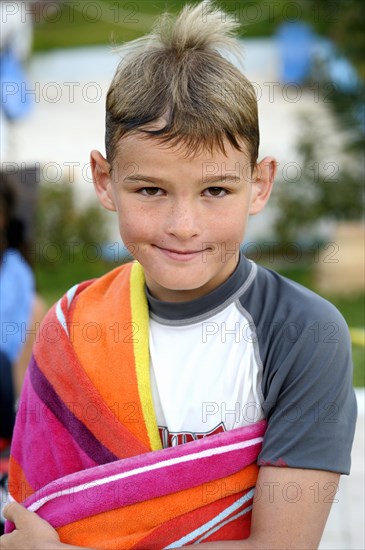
[
  {"x": 146, "y": 485},
  {"x": 48, "y": 462},
  {"x": 231, "y": 437},
  {"x": 97, "y": 499}
]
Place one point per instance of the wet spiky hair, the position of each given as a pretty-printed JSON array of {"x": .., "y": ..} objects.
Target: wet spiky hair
[{"x": 178, "y": 74}]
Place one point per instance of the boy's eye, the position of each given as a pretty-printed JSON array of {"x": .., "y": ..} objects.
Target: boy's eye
[
  {"x": 215, "y": 191},
  {"x": 150, "y": 191}
]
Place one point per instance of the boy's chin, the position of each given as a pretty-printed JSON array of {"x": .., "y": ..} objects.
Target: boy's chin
[
  {"x": 170, "y": 290},
  {"x": 186, "y": 281}
]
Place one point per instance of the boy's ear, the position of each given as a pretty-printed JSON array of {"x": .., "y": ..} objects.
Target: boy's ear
[
  {"x": 100, "y": 169},
  {"x": 262, "y": 182}
]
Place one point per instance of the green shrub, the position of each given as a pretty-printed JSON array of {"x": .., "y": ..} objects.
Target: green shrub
[{"x": 62, "y": 230}]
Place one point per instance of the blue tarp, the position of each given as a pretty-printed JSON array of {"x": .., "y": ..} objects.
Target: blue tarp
[
  {"x": 295, "y": 44},
  {"x": 15, "y": 102}
]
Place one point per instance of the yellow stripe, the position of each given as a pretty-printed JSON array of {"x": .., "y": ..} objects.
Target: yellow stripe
[
  {"x": 140, "y": 316},
  {"x": 357, "y": 336}
]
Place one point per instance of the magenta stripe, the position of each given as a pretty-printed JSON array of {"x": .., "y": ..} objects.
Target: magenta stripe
[
  {"x": 75, "y": 506},
  {"x": 231, "y": 437},
  {"x": 87, "y": 441},
  {"x": 41, "y": 467},
  {"x": 144, "y": 486}
]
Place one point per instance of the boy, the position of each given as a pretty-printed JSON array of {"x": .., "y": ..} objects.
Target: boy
[{"x": 232, "y": 349}]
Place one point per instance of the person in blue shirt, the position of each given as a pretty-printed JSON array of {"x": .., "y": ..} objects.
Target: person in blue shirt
[{"x": 17, "y": 293}]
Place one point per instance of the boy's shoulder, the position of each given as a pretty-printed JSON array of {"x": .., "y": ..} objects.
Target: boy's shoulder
[
  {"x": 101, "y": 287},
  {"x": 275, "y": 297},
  {"x": 99, "y": 293}
]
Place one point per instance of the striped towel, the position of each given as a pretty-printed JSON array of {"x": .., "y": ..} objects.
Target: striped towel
[{"x": 86, "y": 454}]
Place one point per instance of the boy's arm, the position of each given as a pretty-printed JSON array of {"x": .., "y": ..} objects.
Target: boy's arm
[
  {"x": 32, "y": 532},
  {"x": 290, "y": 510}
]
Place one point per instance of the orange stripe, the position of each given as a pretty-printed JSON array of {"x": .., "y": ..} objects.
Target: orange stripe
[
  {"x": 178, "y": 527},
  {"x": 109, "y": 363},
  {"x": 127, "y": 526},
  {"x": 73, "y": 385},
  {"x": 21, "y": 489}
]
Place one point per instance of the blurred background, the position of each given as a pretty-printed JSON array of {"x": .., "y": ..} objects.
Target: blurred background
[{"x": 306, "y": 60}]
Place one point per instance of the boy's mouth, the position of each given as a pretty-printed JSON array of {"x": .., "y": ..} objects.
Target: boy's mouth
[{"x": 181, "y": 255}]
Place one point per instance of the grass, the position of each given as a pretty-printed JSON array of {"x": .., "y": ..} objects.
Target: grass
[
  {"x": 359, "y": 369},
  {"x": 75, "y": 24},
  {"x": 102, "y": 22},
  {"x": 54, "y": 280}
]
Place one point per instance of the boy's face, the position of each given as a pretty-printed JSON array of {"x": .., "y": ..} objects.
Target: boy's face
[{"x": 182, "y": 218}]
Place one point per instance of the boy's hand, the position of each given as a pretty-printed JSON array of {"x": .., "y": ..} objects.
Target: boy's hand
[{"x": 31, "y": 533}]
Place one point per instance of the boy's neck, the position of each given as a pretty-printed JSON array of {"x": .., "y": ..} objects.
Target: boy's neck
[{"x": 164, "y": 294}]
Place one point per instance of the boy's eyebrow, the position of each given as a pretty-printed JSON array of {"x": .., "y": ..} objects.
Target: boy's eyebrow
[
  {"x": 206, "y": 179},
  {"x": 141, "y": 177},
  {"x": 221, "y": 177}
]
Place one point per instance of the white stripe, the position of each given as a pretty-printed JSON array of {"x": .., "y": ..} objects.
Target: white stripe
[
  {"x": 143, "y": 469},
  {"x": 240, "y": 514},
  {"x": 212, "y": 523},
  {"x": 61, "y": 317},
  {"x": 70, "y": 295}
]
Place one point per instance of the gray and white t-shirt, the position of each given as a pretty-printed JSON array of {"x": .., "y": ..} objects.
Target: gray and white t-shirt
[{"x": 259, "y": 346}]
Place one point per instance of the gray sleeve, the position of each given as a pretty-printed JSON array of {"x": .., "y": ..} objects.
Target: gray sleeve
[
  {"x": 304, "y": 347},
  {"x": 307, "y": 386}
]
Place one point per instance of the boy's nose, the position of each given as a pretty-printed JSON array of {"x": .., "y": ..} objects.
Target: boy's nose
[{"x": 183, "y": 221}]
